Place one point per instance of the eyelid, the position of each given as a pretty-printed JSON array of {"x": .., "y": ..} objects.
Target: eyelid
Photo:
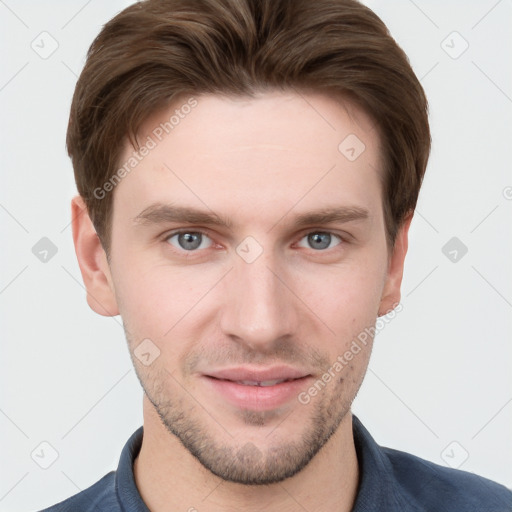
[
  {"x": 179, "y": 231},
  {"x": 343, "y": 235}
]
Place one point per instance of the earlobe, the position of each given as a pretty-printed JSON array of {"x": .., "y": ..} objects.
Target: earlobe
[
  {"x": 391, "y": 292},
  {"x": 92, "y": 261}
]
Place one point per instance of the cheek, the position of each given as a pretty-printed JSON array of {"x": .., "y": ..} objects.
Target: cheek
[
  {"x": 347, "y": 297},
  {"x": 154, "y": 299}
]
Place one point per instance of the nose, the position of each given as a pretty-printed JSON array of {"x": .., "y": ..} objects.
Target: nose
[{"x": 259, "y": 307}]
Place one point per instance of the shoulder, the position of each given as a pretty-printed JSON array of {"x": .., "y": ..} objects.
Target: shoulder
[
  {"x": 101, "y": 496},
  {"x": 437, "y": 487}
]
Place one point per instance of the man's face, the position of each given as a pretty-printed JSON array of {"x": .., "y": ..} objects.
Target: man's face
[{"x": 264, "y": 299}]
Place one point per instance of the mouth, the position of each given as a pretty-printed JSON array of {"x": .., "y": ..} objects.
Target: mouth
[
  {"x": 264, "y": 383},
  {"x": 257, "y": 389},
  {"x": 254, "y": 374}
]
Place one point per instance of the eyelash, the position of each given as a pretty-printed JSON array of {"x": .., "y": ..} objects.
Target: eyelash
[{"x": 168, "y": 236}]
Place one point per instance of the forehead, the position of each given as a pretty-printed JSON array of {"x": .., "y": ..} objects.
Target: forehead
[{"x": 265, "y": 154}]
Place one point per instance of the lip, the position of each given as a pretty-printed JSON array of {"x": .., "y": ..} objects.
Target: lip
[
  {"x": 257, "y": 398},
  {"x": 253, "y": 373}
]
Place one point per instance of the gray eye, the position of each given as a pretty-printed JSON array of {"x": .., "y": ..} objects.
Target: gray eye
[
  {"x": 188, "y": 240},
  {"x": 319, "y": 240}
]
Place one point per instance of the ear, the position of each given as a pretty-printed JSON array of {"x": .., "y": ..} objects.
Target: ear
[
  {"x": 92, "y": 261},
  {"x": 391, "y": 292}
]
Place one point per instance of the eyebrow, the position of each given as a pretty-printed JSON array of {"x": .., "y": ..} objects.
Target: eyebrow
[{"x": 159, "y": 213}]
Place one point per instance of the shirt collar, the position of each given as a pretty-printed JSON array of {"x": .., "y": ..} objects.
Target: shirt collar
[
  {"x": 126, "y": 490},
  {"x": 376, "y": 490}
]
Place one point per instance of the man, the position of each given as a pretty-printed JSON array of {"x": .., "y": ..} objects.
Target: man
[{"x": 247, "y": 174}]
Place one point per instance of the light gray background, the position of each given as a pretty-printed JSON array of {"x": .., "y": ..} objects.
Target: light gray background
[{"x": 439, "y": 383}]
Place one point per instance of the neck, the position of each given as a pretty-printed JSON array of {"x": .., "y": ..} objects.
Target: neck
[{"x": 168, "y": 477}]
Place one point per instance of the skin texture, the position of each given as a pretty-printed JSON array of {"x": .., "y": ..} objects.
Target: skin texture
[{"x": 258, "y": 162}]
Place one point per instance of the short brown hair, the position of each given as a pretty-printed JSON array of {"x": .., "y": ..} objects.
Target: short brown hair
[{"x": 155, "y": 50}]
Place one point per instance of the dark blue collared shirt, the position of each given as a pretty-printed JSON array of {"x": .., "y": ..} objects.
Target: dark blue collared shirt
[{"x": 390, "y": 481}]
